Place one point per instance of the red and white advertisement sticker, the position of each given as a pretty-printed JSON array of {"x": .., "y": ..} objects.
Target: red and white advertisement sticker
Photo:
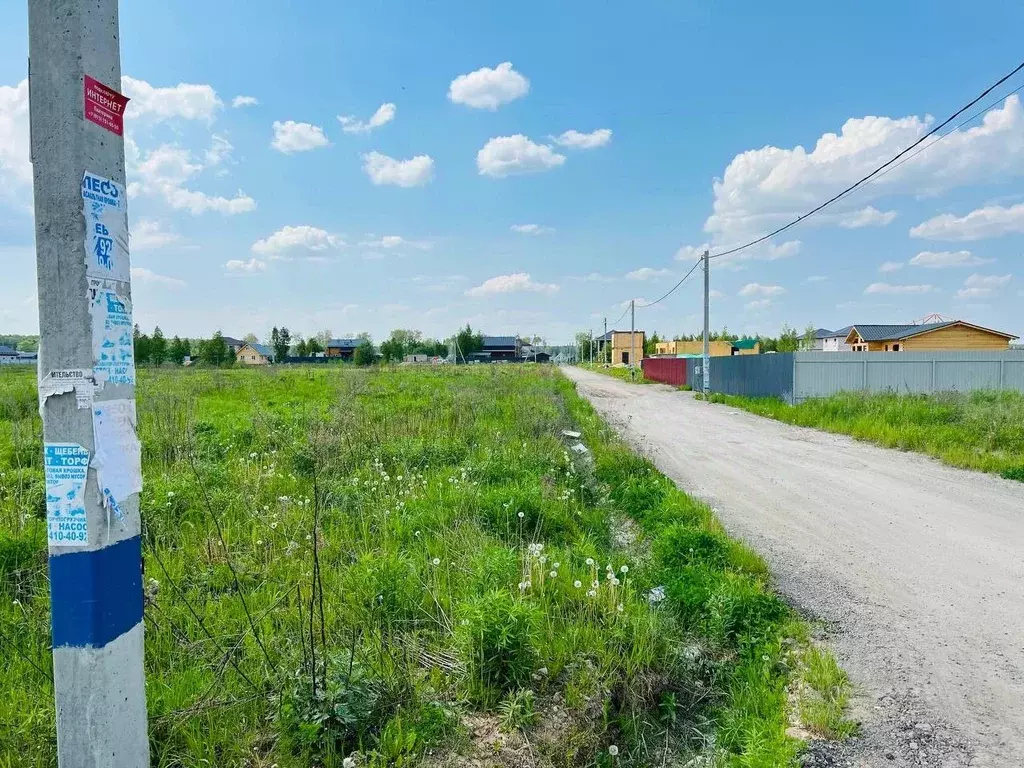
[{"x": 104, "y": 106}]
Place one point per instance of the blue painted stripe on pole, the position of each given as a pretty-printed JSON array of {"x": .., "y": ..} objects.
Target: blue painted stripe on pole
[{"x": 96, "y": 596}]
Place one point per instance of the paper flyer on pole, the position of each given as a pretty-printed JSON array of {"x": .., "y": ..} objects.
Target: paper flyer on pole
[
  {"x": 113, "y": 352},
  {"x": 118, "y": 459},
  {"x": 105, "y": 208},
  {"x": 66, "y": 467}
]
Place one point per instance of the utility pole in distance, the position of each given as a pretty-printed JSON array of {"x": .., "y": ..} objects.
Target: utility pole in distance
[
  {"x": 604, "y": 341},
  {"x": 87, "y": 383},
  {"x": 706, "y": 362},
  {"x": 632, "y": 335}
]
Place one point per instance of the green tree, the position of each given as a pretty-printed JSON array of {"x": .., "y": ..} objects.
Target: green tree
[
  {"x": 178, "y": 350},
  {"x": 142, "y": 346},
  {"x": 215, "y": 351},
  {"x": 300, "y": 348},
  {"x": 807, "y": 342},
  {"x": 364, "y": 353},
  {"x": 280, "y": 340},
  {"x": 313, "y": 346},
  {"x": 158, "y": 347},
  {"x": 584, "y": 345},
  {"x": 651, "y": 344},
  {"x": 251, "y": 338},
  {"x": 789, "y": 339},
  {"x": 467, "y": 342}
]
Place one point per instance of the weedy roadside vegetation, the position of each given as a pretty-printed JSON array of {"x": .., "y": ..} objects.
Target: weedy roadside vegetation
[
  {"x": 621, "y": 372},
  {"x": 981, "y": 430},
  {"x": 407, "y": 567}
]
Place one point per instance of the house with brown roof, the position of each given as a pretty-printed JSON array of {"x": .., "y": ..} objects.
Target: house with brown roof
[{"x": 949, "y": 335}]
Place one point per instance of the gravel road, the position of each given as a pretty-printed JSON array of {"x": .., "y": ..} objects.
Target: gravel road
[{"x": 916, "y": 569}]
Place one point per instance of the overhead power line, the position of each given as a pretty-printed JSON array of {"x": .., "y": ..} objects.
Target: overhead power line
[
  {"x": 672, "y": 290},
  {"x": 877, "y": 170}
]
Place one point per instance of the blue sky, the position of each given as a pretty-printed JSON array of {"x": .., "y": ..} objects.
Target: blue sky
[{"x": 529, "y": 168}]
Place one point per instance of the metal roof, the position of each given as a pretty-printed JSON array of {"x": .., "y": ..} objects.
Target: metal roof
[
  {"x": 7, "y": 351},
  {"x": 901, "y": 331},
  {"x": 499, "y": 341},
  {"x": 744, "y": 343},
  {"x": 825, "y": 333},
  {"x": 263, "y": 349},
  {"x": 344, "y": 343}
]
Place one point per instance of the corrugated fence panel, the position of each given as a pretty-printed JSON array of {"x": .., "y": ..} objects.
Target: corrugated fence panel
[
  {"x": 820, "y": 374},
  {"x": 907, "y": 377},
  {"x": 750, "y": 375},
  {"x": 826, "y": 372},
  {"x": 667, "y": 370}
]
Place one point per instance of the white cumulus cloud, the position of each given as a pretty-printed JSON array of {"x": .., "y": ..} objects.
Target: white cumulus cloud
[
  {"x": 244, "y": 101},
  {"x": 414, "y": 172},
  {"x": 488, "y": 88},
  {"x": 188, "y": 101},
  {"x": 866, "y": 217},
  {"x": 648, "y": 273},
  {"x": 763, "y": 187},
  {"x": 147, "y": 234},
  {"x": 942, "y": 259},
  {"x": 897, "y": 289},
  {"x": 531, "y": 229},
  {"x": 518, "y": 282},
  {"x": 983, "y": 286},
  {"x": 890, "y": 266},
  {"x": 692, "y": 252},
  {"x": 290, "y": 136},
  {"x": 385, "y": 114},
  {"x": 164, "y": 171},
  {"x": 990, "y": 221},
  {"x": 240, "y": 267},
  {"x": 301, "y": 237},
  {"x": 149, "y": 277},
  {"x": 394, "y": 241},
  {"x": 757, "y": 289},
  {"x": 14, "y": 136},
  {"x": 508, "y": 155},
  {"x": 577, "y": 140}
]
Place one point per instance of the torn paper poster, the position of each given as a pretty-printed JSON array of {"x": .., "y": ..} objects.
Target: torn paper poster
[
  {"x": 118, "y": 459},
  {"x": 66, "y": 466},
  {"x": 105, "y": 208},
  {"x": 77, "y": 380},
  {"x": 113, "y": 353}
]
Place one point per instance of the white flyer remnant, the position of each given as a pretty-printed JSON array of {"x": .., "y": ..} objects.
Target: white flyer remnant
[
  {"x": 77, "y": 380},
  {"x": 66, "y": 466},
  {"x": 105, "y": 208},
  {"x": 118, "y": 459},
  {"x": 113, "y": 353}
]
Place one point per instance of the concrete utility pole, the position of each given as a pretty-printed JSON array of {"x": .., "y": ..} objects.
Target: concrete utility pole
[
  {"x": 604, "y": 341},
  {"x": 87, "y": 383},
  {"x": 706, "y": 362},
  {"x": 632, "y": 335}
]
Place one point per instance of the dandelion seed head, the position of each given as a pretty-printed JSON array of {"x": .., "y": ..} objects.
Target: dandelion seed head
[
  {"x": 590, "y": 561},
  {"x": 613, "y": 750},
  {"x": 436, "y": 561},
  {"x": 577, "y": 583}
]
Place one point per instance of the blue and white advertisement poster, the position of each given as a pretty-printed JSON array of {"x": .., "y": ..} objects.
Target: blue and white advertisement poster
[
  {"x": 66, "y": 466},
  {"x": 105, "y": 208},
  {"x": 113, "y": 354}
]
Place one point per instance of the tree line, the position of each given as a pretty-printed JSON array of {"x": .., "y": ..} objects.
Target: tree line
[{"x": 156, "y": 349}]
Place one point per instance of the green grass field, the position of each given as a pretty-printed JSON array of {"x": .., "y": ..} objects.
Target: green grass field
[
  {"x": 977, "y": 430},
  {"x": 407, "y": 567}
]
